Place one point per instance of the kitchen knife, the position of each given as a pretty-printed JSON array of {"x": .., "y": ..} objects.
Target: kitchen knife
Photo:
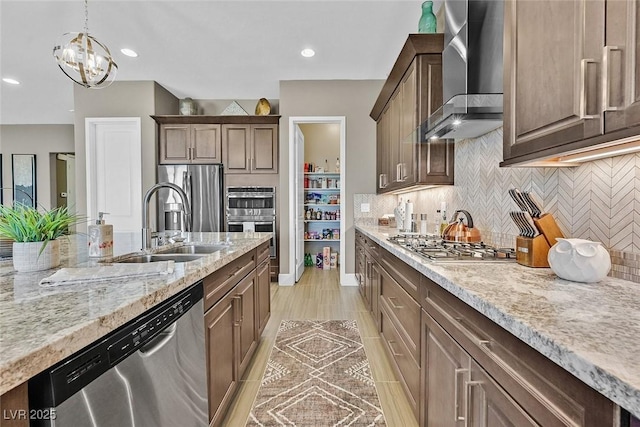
[
  {"x": 525, "y": 226},
  {"x": 516, "y": 219},
  {"x": 531, "y": 225},
  {"x": 515, "y": 195},
  {"x": 535, "y": 204},
  {"x": 531, "y": 207}
]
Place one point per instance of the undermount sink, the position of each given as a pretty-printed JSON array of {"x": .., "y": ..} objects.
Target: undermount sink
[
  {"x": 194, "y": 249},
  {"x": 137, "y": 259}
]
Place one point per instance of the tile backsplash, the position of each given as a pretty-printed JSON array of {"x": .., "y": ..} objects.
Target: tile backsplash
[{"x": 599, "y": 200}]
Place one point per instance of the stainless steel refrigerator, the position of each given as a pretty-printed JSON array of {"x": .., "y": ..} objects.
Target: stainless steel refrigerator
[{"x": 204, "y": 187}]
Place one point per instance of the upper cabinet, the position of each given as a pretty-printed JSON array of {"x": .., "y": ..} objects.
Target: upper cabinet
[
  {"x": 570, "y": 79},
  {"x": 244, "y": 144},
  {"x": 250, "y": 148},
  {"x": 412, "y": 92},
  {"x": 183, "y": 143}
]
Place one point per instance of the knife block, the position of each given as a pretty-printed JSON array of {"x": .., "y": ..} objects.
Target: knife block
[{"x": 532, "y": 251}]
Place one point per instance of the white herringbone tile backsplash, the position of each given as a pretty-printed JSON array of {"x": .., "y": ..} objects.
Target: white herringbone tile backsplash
[{"x": 598, "y": 200}]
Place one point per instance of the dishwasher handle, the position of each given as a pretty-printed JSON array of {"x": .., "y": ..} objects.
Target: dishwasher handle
[{"x": 159, "y": 341}]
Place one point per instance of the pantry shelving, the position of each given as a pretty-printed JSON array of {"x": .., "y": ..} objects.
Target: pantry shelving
[{"x": 322, "y": 211}]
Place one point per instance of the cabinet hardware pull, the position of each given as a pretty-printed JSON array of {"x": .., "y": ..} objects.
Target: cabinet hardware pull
[
  {"x": 393, "y": 352},
  {"x": 468, "y": 385},
  {"x": 236, "y": 300},
  {"x": 456, "y": 412},
  {"x": 393, "y": 305},
  {"x": 382, "y": 180},
  {"x": 479, "y": 341},
  {"x": 606, "y": 83},
  {"x": 399, "y": 172},
  {"x": 583, "y": 89}
]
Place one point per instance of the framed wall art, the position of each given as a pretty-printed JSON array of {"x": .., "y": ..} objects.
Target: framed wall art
[{"x": 23, "y": 171}]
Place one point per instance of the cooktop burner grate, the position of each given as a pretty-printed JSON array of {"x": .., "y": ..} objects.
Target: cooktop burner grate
[{"x": 433, "y": 248}]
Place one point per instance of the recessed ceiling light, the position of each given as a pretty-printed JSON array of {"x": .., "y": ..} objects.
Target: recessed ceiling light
[
  {"x": 129, "y": 52},
  {"x": 71, "y": 111},
  {"x": 457, "y": 122},
  {"x": 10, "y": 81},
  {"x": 308, "y": 53}
]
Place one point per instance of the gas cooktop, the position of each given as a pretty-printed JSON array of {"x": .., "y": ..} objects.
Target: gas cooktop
[{"x": 433, "y": 248}]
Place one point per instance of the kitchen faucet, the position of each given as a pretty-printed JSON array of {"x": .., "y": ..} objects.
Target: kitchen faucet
[{"x": 146, "y": 231}]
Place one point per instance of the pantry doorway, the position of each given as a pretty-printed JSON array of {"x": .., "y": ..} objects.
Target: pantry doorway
[{"x": 320, "y": 144}]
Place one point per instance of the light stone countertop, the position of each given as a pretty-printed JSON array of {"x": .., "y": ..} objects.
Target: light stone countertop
[
  {"x": 40, "y": 326},
  {"x": 590, "y": 330}
]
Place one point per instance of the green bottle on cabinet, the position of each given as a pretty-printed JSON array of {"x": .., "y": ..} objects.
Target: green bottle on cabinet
[{"x": 427, "y": 23}]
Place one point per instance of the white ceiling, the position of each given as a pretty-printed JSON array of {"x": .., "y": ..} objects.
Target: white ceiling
[{"x": 233, "y": 49}]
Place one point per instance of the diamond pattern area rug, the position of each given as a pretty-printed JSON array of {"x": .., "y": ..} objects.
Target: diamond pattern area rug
[{"x": 318, "y": 375}]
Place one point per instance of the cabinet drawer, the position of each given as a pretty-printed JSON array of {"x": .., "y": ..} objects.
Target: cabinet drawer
[
  {"x": 370, "y": 246},
  {"x": 551, "y": 395},
  {"x": 406, "y": 276},
  {"x": 262, "y": 252},
  {"x": 403, "y": 310},
  {"x": 218, "y": 283},
  {"x": 405, "y": 366}
]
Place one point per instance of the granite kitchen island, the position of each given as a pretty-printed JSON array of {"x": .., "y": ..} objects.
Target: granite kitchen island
[{"x": 41, "y": 326}]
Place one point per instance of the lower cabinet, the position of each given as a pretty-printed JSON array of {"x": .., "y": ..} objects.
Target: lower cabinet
[
  {"x": 460, "y": 369},
  {"x": 457, "y": 391},
  {"x": 263, "y": 295},
  {"x": 222, "y": 363},
  {"x": 245, "y": 298},
  {"x": 234, "y": 321}
]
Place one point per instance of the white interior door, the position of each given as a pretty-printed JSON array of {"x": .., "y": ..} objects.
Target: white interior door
[
  {"x": 114, "y": 171},
  {"x": 299, "y": 191}
]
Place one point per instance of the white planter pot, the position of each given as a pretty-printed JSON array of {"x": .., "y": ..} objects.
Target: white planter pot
[{"x": 27, "y": 256}]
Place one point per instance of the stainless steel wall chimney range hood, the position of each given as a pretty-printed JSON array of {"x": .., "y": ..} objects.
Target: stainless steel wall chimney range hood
[{"x": 472, "y": 71}]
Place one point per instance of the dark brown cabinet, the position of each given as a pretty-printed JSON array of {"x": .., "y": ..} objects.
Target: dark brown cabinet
[
  {"x": 263, "y": 295},
  {"x": 250, "y": 148},
  {"x": 458, "y": 391},
  {"x": 505, "y": 382},
  {"x": 459, "y": 368},
  {"x": 236, "y": 311},
  {"x": 244, "y": 144},
  {"x": 570, "y": 80},
  {"x": 222, "y": 361},
  {"x": 410, "y": 95},
  {"x": 184, "y": 143}
]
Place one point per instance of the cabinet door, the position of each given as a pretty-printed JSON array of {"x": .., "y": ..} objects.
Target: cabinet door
[
  {"x": 621, "y": 60},
  {"x": 222, "y": 369},
  {"x": 488, "y": 405},
  {"x": 175, "y": 144},
  {"x": 236, "y": 148},
  {"x": 264, "y": 149},
  {"x": 375, "y": 293},
  {"x": 445, "y": 368},
  {"x": 552, "y": 73},
  {"x": 395, "y": 114},
  {"x": 263, "y": 296},
  {"x": 246, "y": 297},
  {"x": 383, "y": 136},
  {"x": 408, "y": 123},
  {"x": 206, "y": 144}
]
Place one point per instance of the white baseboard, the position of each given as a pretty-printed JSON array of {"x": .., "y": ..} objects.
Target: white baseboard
[
  {"x": 286, "y": 279},
  {"x": 348, "y": 280}
]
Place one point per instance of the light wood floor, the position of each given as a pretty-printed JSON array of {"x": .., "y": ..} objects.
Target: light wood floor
[{"x": 318, "y": 295}]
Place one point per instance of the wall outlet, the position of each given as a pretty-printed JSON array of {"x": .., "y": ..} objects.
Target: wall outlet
[{"x": 365, "y": 207}]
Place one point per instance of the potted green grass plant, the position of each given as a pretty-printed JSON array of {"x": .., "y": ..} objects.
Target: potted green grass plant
[{"x": 34, "y": 234}]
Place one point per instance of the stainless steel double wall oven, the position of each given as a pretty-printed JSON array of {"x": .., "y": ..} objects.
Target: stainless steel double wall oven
[{"x": 252, "y": 209}]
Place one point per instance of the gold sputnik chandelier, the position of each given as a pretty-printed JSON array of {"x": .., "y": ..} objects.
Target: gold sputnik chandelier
[{"x": 84, "y": 59}]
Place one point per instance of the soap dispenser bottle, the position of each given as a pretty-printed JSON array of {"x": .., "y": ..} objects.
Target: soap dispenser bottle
[{"x": 100, "y": 238}]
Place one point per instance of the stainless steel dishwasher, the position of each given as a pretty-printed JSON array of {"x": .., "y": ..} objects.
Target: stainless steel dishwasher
[{"x": 149, "y": 372}]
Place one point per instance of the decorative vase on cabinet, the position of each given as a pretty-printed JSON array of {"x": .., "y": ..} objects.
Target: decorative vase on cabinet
[{"x": 428, "y": 22}]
